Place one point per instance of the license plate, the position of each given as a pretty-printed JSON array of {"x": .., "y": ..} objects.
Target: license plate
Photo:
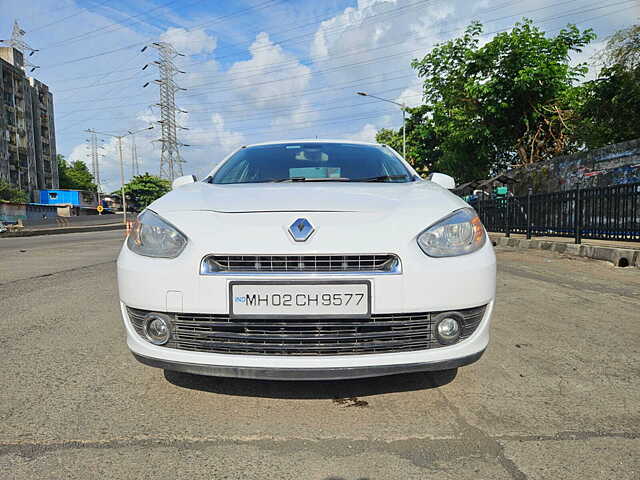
[{"x": 300, "y": 299}]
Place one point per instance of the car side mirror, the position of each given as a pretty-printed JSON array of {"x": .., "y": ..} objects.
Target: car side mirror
[
  {"x": 443, "y": 180},
  {"x": 184, "y": 180}
]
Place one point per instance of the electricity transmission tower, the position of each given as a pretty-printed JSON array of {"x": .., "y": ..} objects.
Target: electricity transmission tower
[
  {"x": 95, "y": 159},
  {"x": 135, "y": 166},
  {"x": 170, "y": 159},
  {"x": 18, "y": 43}
]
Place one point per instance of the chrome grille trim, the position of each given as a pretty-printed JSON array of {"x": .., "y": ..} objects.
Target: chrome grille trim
[
  {"x": 381, "y": 333},
  {"x": 354, "y": 264}
]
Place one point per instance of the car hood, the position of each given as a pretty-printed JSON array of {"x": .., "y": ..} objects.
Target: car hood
[
  {"x": 308, "y": 197},
  {"x": 236, "y": 219}
]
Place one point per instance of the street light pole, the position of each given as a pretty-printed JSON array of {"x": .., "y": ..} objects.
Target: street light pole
[
  {"x": 404, "y": 120},
  {"x": 120, "y": 156},
  {"x": 404, "y": 133}
]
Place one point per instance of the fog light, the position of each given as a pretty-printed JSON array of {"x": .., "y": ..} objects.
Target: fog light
[
  {"x": 157, "y": 328},
  {"x": 448, "y": 327}
]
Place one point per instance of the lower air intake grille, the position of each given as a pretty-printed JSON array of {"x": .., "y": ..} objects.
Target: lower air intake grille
[
  {"x": 379, "y": 333},
  {"x": 383, "y": 263}
]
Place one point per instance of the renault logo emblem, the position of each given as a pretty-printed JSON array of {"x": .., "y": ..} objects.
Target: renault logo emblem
[{"x": 301, "y": 229}]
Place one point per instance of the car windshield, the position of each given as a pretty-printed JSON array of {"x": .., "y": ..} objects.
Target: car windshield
[{"x": 313, "y": 162}]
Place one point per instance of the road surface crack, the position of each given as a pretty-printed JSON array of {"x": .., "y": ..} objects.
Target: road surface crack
[{"x": 485, "y": 442}]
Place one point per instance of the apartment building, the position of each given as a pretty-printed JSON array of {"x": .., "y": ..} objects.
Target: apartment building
[{"x": 27, "y": 134}]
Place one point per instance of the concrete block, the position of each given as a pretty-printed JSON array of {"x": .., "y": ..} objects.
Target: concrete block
[
  {"x": 621, "y": 257},
  {"x": 624, "y": 257},
  {"x": 586, "y": 251},
  {"x": 559, "y": 247},
  {"x": 603, "y": 253},
  {"x": 513, "y": 242},
  {"x": 573, "y": 249},
  {"x": 545, "y": 245}
]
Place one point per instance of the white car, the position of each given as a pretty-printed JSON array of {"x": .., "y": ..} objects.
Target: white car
[{"x": 308, "y": 260}]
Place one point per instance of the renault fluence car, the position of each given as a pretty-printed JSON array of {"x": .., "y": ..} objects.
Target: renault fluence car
[{"x": 308, "y": 260}]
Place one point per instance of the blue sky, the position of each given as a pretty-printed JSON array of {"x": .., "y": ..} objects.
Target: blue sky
[{"x": 256, "y": 69}]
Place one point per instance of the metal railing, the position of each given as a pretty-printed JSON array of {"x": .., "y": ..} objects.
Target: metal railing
[{"x": 606, "y": 213}]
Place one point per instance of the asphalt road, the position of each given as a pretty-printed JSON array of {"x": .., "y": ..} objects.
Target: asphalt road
[{"x": 556, "y": 395}]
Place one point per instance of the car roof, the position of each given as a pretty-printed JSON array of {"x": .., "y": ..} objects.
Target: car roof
[{"x": 312, "y": 140}]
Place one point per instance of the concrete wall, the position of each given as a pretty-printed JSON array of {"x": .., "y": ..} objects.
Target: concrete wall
[
  {"x": 612, "y": 165},
  {"x": 12, "y": 212}
]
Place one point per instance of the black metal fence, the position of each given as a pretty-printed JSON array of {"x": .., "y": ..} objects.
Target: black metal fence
[{"x": 607, "y": 213}]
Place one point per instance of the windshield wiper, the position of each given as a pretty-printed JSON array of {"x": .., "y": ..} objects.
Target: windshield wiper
[
  {"x": 380, "y": 178},
  {"x": 305, "y": 179}
]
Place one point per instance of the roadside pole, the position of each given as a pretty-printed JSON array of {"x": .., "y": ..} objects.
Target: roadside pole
[
  {"x": 124, "y": 200},
  {"x": 404, "y": 132}
]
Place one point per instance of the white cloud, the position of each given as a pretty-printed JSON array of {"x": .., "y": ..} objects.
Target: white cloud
[
  {"x": 366, "y": 133},
  {"x": 303, "y": 115},
  {"x": 225, "y": 138},
  {"x": 200, "y": 76},
  {"x": 271, "y": 72},
  {"x": 190, "y": 42},
  {"x": 412, "y": 95},
  {"x": 381, "y": 35}
]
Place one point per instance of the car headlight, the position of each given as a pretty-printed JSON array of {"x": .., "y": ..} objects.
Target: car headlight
[
  {"x": 152, "y": 236},
  {"x": 458, "y": 234}
]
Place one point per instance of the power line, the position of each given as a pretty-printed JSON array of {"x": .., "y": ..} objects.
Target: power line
[
  {"x": 348, "y": 54},
  {"x": 340, "y": 119},
  {"x": 393, "y": 11},
  {"x": 374, "y": 60},
  {"x": 316, "y": 91},
  {"x": 245, "y": 45},
  {"x": 119, "y": 25},
  {"x": 37, "y": 29},
  {"x": 365, "y": 79},
  {"x": 488, "y": 33}
]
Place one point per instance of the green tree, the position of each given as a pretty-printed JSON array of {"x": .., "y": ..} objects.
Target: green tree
[
  {"x": 609, "y": 107},
  {"x": 144, "y": 189},
  {"x": 623, "y": 48},
  {"x": 9, "y": 193},
  {"x": 500, "y": 104},
  {"x": 75, "y": 176}
]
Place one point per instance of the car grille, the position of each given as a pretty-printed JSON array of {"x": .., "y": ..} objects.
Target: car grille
[
  {"x": 266, "y": 336},
  {"x": 383, "y": 263}
]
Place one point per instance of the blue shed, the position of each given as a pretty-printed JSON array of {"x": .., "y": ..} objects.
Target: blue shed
[
  {"x": 77, "y": 198},
  {"x": 50, "y": 197}
]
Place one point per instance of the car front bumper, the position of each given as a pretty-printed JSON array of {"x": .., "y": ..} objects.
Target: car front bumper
[
  {"x": 320, "y": 367},
  {"x": 336, "y": 373},
  {"x": 425, "y": 284}
]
